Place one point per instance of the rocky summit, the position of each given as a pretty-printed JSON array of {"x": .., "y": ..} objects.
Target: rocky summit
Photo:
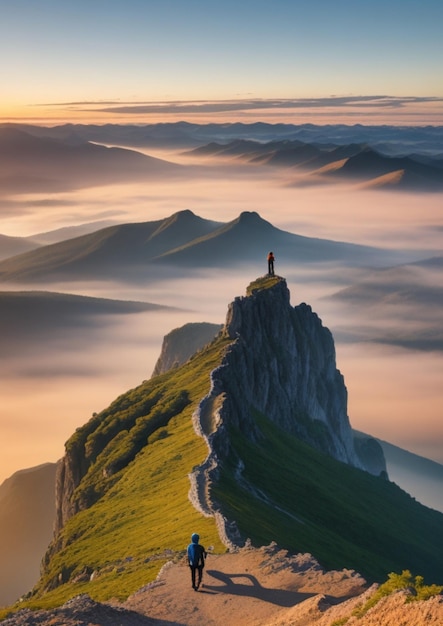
[{"x": 282, "y": 364}]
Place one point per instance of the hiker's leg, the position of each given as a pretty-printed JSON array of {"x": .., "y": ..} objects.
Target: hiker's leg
[{"x": 200, "y": 574}]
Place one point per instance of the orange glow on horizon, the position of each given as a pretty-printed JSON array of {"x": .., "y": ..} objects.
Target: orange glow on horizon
[{"x": 422, "y": 114}]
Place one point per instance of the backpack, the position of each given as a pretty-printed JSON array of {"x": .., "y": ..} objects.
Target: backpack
[{"x": 195, "y": 554}]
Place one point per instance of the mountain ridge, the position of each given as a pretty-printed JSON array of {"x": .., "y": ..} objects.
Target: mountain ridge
[
  {"x": 354, "y": 162},
  {"x": 136, "y": 479},
  {"x": 27, "y": 509},
  {"x": 37, "y": 163},
  {"x": 396, "y": 140},
  {"x": 180, "y": 240}
]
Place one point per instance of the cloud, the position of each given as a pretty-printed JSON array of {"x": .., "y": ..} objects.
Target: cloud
[{"x": 254, "y": 104}]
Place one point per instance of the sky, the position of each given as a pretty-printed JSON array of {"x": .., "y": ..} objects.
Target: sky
[{"x": 286, "y": 60}]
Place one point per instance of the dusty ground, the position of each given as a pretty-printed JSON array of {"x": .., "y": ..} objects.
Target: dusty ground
[
  {"x": 249, "y": 587},
  {"x": 253, "y": 587}
]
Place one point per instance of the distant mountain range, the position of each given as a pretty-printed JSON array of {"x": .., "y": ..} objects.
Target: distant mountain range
[
  {"x": 10, "y": 246},
  {"x": 421, "y": 477},
  {"x": 30, "y": 163},
  {"x": 27, "y": 510},
  {"x": 43, "y": 314},
  {"x": 34, "y": 158},
  {"x": 183, "y": 242},
  {"x": 390, "y": 140},
  {"x": 354, "y": 162}
]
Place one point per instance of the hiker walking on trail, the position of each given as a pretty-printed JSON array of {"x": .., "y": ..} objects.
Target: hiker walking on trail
[
  {"x": 271, "y": 259},
  {"x": 196, "y": 558}
]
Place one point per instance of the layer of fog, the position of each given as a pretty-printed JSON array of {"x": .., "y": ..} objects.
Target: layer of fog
[{"x": 50, "y": 389}]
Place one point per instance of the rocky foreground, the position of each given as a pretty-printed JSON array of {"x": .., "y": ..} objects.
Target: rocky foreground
[{"x": 253, "y": 587}]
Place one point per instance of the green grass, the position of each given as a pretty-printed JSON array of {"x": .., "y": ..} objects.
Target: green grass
[
  {"x": 346, "y": 517},
  {"x": 264, "y": 282},
  {"x": 143, "y": 516},
  {"x": 418, "y": 591}
]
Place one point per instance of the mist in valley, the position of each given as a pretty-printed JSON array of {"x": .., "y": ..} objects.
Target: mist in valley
[{"x": 52, "y": 382}]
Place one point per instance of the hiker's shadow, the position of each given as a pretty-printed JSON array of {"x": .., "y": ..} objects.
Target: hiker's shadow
[{"x": 254, "y": 589}]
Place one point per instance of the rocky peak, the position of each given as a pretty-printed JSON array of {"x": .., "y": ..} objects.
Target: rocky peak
[{"x": 282, "y": 364}]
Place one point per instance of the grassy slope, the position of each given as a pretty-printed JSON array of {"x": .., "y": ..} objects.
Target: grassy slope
[
  {"x": 346, "y": 517},
  {"x": 125, "y": 536}
]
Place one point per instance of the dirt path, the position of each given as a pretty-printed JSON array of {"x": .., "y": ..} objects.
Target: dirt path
[
  {"x": 252, "y": 587},
  {"x": 249, "y": 587}
]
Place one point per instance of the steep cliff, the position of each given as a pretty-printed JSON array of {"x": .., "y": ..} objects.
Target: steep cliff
[
  {"x": 181, "y": 343},
  {"x": 282, "y": 364}
]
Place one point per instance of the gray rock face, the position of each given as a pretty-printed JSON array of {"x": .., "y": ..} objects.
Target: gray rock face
[{"x": 282, "y": 364}]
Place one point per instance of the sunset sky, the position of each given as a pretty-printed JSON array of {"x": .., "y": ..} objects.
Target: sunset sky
[{"x": 286, "y": 60}]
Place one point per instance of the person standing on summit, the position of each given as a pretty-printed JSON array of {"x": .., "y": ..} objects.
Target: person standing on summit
[
  {"x": 196, "y": 558},
  {"x": 271, "y": 259}
]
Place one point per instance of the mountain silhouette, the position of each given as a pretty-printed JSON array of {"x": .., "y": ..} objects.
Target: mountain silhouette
[
  {"x": 30, "y": 163},
  {"x": 390, "y": 140},
  {"x": 369, "y": 164},
  {"x": 27, "y": 510},
  {"x": 70, "y": 156},
  {"x": 353, "y": 161},
  {"x": 121, "y": 248},
  {"x": 180, "y": 241},
  {"x": 248, "y": 237},
  {"x": 27, "y": 315},
  {"x": 11, "y": 246}
]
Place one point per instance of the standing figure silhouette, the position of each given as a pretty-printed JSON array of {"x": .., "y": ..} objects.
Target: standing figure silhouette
[{"x": 271, "y": 259}]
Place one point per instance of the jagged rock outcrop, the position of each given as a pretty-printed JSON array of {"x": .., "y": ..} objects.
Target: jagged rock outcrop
[
  {"x": 182, "y": 343},
  {"x": 70, "y": 470},
  {"x": 281, "y": 364}
]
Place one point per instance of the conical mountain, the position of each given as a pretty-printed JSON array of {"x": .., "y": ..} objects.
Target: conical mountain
[
  {"x": 249, "y": 439},
  {"x": 249, "y": 237},
  {"x": 182, "y": 240}
]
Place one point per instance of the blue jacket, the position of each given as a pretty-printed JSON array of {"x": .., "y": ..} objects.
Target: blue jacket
[{"x": 196, "y": 553}]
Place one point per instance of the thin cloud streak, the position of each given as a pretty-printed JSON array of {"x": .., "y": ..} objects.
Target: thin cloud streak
[
  {"x": 220, "y": 106},
  {"x": 385, "y": 108}
]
